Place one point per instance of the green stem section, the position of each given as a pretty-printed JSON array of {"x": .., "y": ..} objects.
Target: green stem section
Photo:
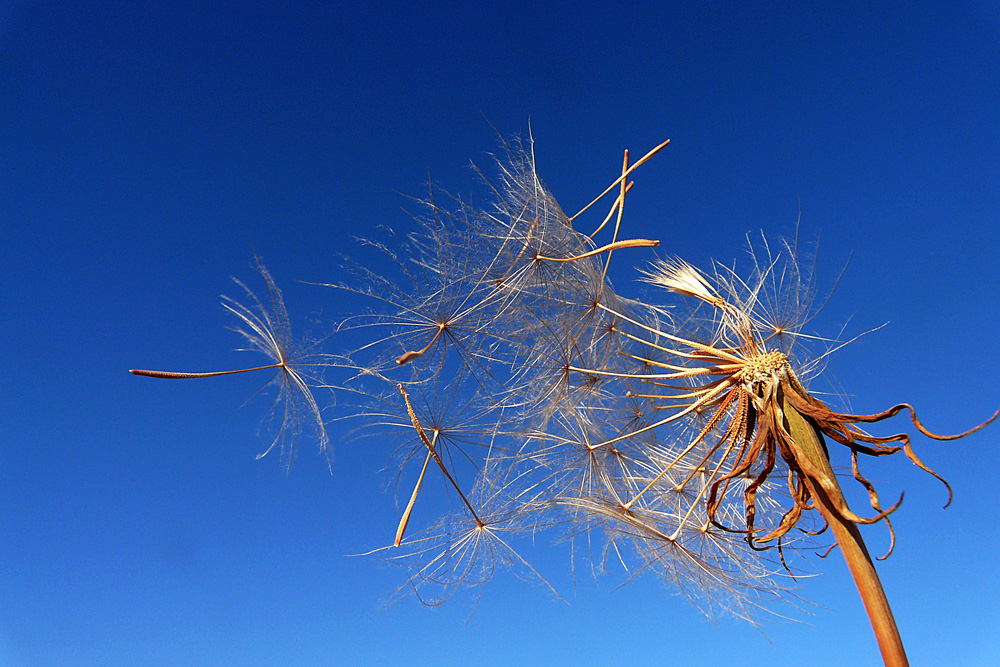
[{"x": 808, "y": 443}]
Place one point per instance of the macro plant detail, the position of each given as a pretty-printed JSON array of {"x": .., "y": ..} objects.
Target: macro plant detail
[
  {"x": 503, "y": 363},
  {"x": 265, "y": 329},
  {"x": 764, "y": 412}
]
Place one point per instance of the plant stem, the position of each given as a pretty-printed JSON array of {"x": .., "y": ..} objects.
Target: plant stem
[
  {"x": 808, "y": 442},
  {"x": 172, "y": 375}
]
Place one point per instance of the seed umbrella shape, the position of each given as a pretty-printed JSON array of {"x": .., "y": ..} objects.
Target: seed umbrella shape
[{"x": 501, "y": 359}]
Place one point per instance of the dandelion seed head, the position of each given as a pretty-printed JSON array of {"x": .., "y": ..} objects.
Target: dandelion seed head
[{"x": 522, "y": 392}]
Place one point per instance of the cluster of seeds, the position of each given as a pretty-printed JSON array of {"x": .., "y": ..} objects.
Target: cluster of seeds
[{"x": 523, "y": 392}]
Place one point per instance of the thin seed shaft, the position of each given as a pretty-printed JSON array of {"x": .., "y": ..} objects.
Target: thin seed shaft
[
  {"x": 618, "y": 180},
  {"x": 631, "y": 243},
  {"x": 171, "y": 375},
  {"x": 437, "y": 458},
  {"x": 404, "y": 521}
]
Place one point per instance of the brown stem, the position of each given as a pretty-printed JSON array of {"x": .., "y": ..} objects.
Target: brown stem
[
  {"x": 172, "y": 375},
  {"x": 404, "y": 521},
  {"x": 433, "y": 452},
  {"x": 407, "y": 357},
  {"x": 808, "y": 444},
  {"x": 628, "y": 243}
]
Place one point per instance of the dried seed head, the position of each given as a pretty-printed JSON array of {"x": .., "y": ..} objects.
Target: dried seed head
[{"x": 762, "y": 367}]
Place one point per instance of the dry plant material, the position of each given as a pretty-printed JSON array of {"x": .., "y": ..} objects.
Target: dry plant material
[
  {"x": 265, "y": 329},
  {"x": 688, "y": 446},
  {"x": 765, "y": 413}
]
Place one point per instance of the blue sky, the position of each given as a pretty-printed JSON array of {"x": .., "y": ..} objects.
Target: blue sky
[{"x": 147, "y": 150}]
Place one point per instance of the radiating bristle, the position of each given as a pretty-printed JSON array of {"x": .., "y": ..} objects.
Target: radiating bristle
[
  {"x": 678, "y": 276},
  {"x": 499, "y": 350}
]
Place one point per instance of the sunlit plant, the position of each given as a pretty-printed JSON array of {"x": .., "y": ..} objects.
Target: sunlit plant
[
  {"x": 502, "y": 360},
  {"x": 265, "y": 328}
]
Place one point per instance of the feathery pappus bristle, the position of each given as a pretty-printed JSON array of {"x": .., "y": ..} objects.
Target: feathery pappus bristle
[{"x": 678, "y": 276}]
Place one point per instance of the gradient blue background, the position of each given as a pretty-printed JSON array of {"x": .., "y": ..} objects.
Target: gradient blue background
[{"x": 147, "y": 149}]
